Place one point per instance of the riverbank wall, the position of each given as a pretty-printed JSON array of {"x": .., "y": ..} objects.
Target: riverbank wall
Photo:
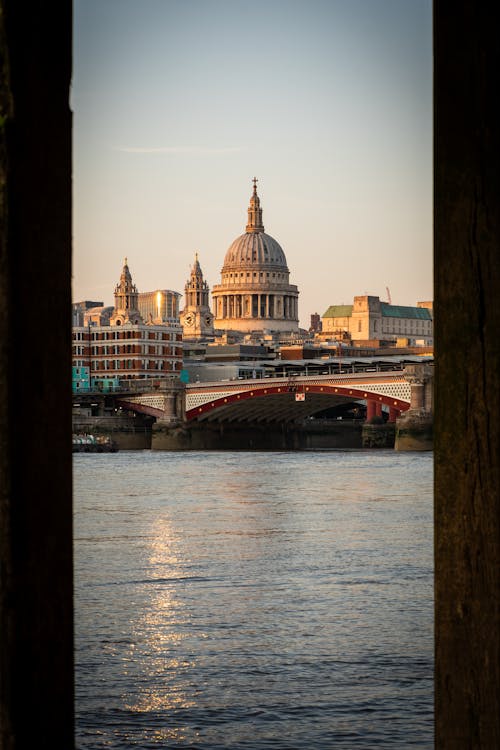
[
  {"x": 129, "y": 433},
  {"x": 309, "y": 435},
  {"x": 142, "y": 433},
  {"x": 414, "y": 432},
  {"x": 378, "y": 435}
]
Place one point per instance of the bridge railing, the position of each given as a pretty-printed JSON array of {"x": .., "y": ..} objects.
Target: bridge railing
[
  {"x": 135, "y": 385},
  {"x": 293, "y": 377}
]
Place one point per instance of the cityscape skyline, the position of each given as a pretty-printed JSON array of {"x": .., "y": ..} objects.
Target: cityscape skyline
[{"x": 177, "y": 106}]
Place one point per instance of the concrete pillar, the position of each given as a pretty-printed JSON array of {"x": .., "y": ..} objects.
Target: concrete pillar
[
  {"x": 417, "y": 395},
  {"x": 169, "y": 406}
]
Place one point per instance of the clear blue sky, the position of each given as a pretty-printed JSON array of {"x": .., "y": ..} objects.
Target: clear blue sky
[{"x": 179, "y": 103}]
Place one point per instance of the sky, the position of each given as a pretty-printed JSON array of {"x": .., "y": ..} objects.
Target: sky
[{"x": 178, "y": 104}]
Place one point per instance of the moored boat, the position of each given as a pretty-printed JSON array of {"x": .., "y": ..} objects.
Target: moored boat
[{"x": 93, "y": 444}]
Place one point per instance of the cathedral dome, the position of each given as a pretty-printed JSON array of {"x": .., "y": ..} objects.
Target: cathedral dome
[
  {"x": 254, "y": 293},
  {"x": 255, "y": 250}
]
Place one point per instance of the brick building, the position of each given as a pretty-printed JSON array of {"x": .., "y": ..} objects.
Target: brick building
[{"x": 125, "y": 347}]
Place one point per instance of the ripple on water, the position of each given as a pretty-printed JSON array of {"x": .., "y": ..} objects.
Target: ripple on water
[{"x": 254, "y": 600}]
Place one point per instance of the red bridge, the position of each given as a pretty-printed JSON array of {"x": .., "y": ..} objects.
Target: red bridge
[
  {"x": 287, "y": 399},
  {"x": 291, "y": 399}
]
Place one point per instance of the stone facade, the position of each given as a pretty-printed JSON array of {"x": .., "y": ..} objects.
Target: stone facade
[
  {"x": 368, "y": 319},
  {"x": 255, "y": 293},
  {"x": 196, "y": 318}
]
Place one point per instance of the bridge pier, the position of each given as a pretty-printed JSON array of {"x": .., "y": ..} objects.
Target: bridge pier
[
  {"x": 166, "y": 403},
  {"x": 414, "y": 428},
  {"x": 173, "y": 406}
]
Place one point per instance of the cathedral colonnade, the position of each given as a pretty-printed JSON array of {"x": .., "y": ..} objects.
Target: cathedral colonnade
[
  {"x": 254, "y": 292},
  {"x": 261, "y": 305}
]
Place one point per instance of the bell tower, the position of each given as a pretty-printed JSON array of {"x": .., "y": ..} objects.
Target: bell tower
[
  {"x": 196, "y": 318},
  {"x": 126, "y": 300}
]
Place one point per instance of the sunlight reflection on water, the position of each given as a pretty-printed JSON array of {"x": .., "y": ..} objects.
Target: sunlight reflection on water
[{"x": 254, "y": 600}]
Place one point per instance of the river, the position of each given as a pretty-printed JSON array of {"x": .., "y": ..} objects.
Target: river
[{"x": 254, "y": 600}]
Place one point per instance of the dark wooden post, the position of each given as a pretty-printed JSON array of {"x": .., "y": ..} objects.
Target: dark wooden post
[
  {"x": 36, "y": 703},
  {"x": 467, "y": 408},
  {"x": 35, "y": 481}
]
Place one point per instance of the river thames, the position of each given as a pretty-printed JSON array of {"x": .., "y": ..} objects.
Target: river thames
[{"x": 254, "y": 600}]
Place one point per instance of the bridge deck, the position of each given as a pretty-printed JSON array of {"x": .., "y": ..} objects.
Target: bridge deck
[{"x": 292, "y": 398}]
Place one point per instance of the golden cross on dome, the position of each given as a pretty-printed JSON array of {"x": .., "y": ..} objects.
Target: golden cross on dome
[{"x": 255, "y": 181}]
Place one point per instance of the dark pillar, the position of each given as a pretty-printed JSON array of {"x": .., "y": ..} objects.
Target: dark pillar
[
  {"x": 36, "y": 621},
  {"x": 467, "y": 408}
]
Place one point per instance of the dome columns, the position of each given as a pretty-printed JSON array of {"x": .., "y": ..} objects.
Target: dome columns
[{"x": 263, "y": 307}]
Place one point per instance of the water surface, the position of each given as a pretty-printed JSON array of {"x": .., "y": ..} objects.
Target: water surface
[{"x": 254, "y": 600}]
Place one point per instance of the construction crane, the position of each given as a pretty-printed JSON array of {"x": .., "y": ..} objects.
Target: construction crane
[{"x": 388, "y": 295}]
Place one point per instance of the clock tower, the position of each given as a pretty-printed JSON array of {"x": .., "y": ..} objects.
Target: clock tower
[{"x": 197, "y": 319}]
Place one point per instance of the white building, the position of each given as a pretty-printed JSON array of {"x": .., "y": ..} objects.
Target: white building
[{"x": 369, "y": 319}]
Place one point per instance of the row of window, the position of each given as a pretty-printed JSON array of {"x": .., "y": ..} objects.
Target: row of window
[
  {"x": 82, "y": 373},
  {"x": 104, "y": 349},
  {"x": 130, "y": 364},
  {"x": 120, "y": 335},
  {"x": 398, "y": 326},
  {"x": 255, "y": 275}
]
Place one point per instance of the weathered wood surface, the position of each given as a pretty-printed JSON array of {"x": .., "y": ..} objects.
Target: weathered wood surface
[
  {"x": 467, "y": 413},
  {"x": 36, "y": 706}
]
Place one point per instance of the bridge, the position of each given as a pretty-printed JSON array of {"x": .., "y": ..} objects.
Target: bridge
[
  {"x": 293, "y": 399},
  {"x": 285, "y": 399}
]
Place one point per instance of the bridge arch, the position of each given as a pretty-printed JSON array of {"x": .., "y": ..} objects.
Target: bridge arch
[{"x": 289, "y": 401}]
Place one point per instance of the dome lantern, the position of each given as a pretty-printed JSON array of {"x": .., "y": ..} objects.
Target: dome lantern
[{"x": 254, "y": 212}]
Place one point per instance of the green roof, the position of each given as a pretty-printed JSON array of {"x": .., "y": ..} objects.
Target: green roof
[
  {"x": 338, "y": 311},
  {"x": 400, "y": 311}
]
